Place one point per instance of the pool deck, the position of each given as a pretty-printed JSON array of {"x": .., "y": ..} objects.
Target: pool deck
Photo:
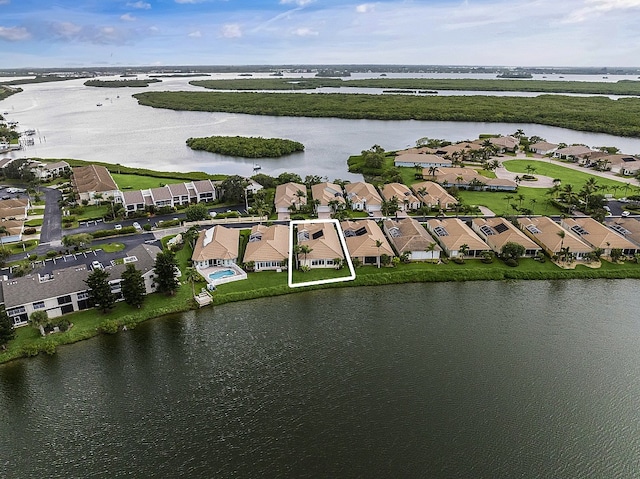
[{"x": 205, "y": 272}]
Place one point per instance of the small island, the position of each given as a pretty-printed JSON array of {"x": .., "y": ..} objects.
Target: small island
[
  {"x": 121, "y": 83},
  {"x": 246, "y": 147}
]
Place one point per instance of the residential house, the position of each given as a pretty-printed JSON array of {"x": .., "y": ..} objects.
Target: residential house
[
  {"x": 410, "y": 237},
  {"x": 468, "y": 178},
  {"x": 13, "y": 231},
  {"x": 497, "y": 232},
  {"x": 499, "y": 184},
  {"x": 421, "y": 160},
  {"x": 64, "y": 291},
  {"x": 47, "y": 171},
  {"x": 133, "y": 201},
  {"x": 543, "y": 148},
  {"x": 432, "y": 195},
  {"x": 253, "y": 186},
  {"x": 598, "y": 235},
  {"x": 179, "y": 194},
  {"x": 216, "y": 246},
  {"x": 288, "y": 197},
  {"x": 323, "y": 243},
  {"x": 94, "y": 184},
  {"x": 268, "y": 247},
  {"x": 627, "y": 227},
  {"x": 505, "y": 144},
  {"x": 363, "y": 197},
  {"x": 362, "y": 238},
  {"x": 574, "y": 153},
  {"x": 201, "y": 191},
  {"x": 406, "y": 199},
  {"x": 453, "y": 234},
  {"x": 552, "y": 237},
  {"x": 14, "y": 208},
  {"x": 328, "y": 197}
]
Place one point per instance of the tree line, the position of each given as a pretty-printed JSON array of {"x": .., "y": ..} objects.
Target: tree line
[
  {"x": 597, "y": 114},
  {"x": 121, "y": 83}
]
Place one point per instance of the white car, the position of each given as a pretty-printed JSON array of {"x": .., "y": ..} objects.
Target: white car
[
  {"x": 626, "y": 213},
  {"x": 117, "y": 227},
  {"x": 96, "y": 265},
  {"x": 137, "y": 226}
]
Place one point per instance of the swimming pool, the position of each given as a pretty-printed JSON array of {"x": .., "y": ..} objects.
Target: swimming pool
[{"x": 223, "y": 273}]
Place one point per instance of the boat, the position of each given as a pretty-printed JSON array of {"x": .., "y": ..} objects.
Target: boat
[
  {"x": 98, "y": 104},
  {"x": 256, "y": 167},
  {"x": 30, "y": 132}
]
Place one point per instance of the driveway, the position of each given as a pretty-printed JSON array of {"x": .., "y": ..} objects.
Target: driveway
[{"x": 51, "y": 231}]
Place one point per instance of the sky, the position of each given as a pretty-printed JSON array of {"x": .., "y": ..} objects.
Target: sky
[{"x": 84, "y": 33}]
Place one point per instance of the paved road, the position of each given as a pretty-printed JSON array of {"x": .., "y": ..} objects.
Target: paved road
[{"x": 51, "y": 231}]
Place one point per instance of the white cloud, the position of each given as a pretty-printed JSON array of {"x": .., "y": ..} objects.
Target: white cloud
[
  {"x": 300, "y": 3},
  {"x": 14, "y": 34},
  {"x": 595, "y": 8},
  {"x": 5, "y": 2},
  {"x": 140, "y": 5},
  {"x": 231, "y": 30},
  {"x": 195, "y": 34},
  {"x": 127, "y": 17},
  {"x": 66, "y": 30},
  {"x": 305, "y": 32},
  {"x": 188, "y": 1},
  {"x": 365, "y": 8}
]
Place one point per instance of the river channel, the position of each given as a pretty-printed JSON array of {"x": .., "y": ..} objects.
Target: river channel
[
  {"x": 69, "y": 124},
  {"x": 481, "y": 379}
]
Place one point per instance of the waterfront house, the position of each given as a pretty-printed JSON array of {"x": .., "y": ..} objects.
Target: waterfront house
[
  {"x": 549, "y": 235},
  {"x": 179, "y": 194},
  {"x": 363, "y": 197},
  {"x": 328, "y": 198},
  {"x": 362, "y": 238},
  {"x": 268, "y": 247},
  {"x": 288, "y": 197},
  {"x": 201, "y": 191},
  {"x": 64, "y": 291},
  {"x": 420, "y": 160},
  {"x": 253, "y": 186},
  {"x": 133, "y": 201},
  {"x": 410, "y": 237},
  {"x": 452, "y": 234},
  {"x": 406, "y": 199},
  {"x": 323, "y": 243},
  {"x": 216, "y": 246},
  {"x": 94, "y": 184},
  {"x": 432, "y": 195},
  {"x": 574, "y": 153},
  {"x": 160, "y": 196},
  {"x": 627, "y": 227},
  {"x": 497, "y": 232},
  {"x": 598, "y": 235},
  {"x": 468, "y": 178},
  {"x": 48, "y": 171},
  {"x": 505, "y": 144},
  {"x": 543, "y": 148}
]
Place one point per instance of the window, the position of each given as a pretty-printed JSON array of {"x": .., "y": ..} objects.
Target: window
[
  {"x": 83, "y": 295},
  {"x": 38, "y": 305},
  {"x": 64, "y": 299},
  {"x": 16, "y": 311}
]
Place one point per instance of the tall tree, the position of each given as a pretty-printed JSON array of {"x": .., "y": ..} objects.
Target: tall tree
[
  {"x": 165, "y": 270},
  {"x": 133, "y": 288},
  {"x": 7, "y": 333},
  {"x": 100, "y": 293},
  {"x": 234, "y": 188},
  {"x": 197, "y": 212},
  {"x": 192, "y": 275},
  {"x": 39, "y": 319}
]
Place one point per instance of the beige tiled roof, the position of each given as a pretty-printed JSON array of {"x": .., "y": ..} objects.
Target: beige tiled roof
[
  {"x": 93, "y": 178},
  {"x": 411, "y": 236},
  {"x": 400, "y": 191},
  {"x": 14, "y": 227},
  {"x": 326, "y": 246},
  {"x": 502, "y": 236},
  {"x": 286, "y": 195},
  {"x": 548, "y": 237},
  {"x": 217, "y": 242},
  {"x": 505, "y": 142},
  {"x": 543, "y": 145},
  {"x": 457, "y": 235},
  {"x": 630, "y": 226},
  {"x": 361, "y": 191},
  {"x": 273, "y": 244},
  {"x": 326, "y": 192},
  {"x": 596, "y": 234},
  {"x": 575, "y": 150},
  {"x": 434, "y": 195},
  {"x": 422, "y": 158},
  {"x": 365, "y": 244}
]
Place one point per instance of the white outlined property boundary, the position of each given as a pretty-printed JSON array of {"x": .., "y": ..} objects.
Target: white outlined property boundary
[{"x": 293, "y": 227}]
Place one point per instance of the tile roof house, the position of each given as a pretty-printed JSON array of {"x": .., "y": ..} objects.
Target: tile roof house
[
  {"x": 627, "y": 227},
  {"x": 573, "y": 153},
  {"x": 216, "y": 246},
  {"x": 497, "y": 232},
  {"x": 327, "y": 197},
  {"x": 363, "y": 197},
  {"x": 421, "y": 160},
  {"x": 548, "y": 234},
  {"x": 133, "y": 200},
  {"x": 406, "y": 199},
  {"x": 543, "y": 148},
  {"x": 362, "y": 237},
  {"x": 505, "y": 143},
  {"x": 432, "y": 195},
  {"x": 468, "y": 178},
  {"x": 64, "y": 291},
  {"x": 93, "y": 183},
  {"x": 14, "y": 208},
  {"x": 268, "y": 247},
  {"x": 323, "y": 240},
  {"x": 452, "y": 234},
  {"x": 14, "y": 230},
  {"x": 410, "y": 237},
  {"x": 290, "y": 195},
  {"x": 598, "y": 235}
]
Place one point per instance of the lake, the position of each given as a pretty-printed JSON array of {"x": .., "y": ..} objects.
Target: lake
[{"x": 457, "y": 380}]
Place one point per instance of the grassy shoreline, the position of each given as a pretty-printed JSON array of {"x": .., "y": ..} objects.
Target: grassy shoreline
[{"x": 91, "y": 323}]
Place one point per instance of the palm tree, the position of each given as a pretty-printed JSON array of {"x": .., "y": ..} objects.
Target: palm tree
[
  {"x": 305, "y": 250},
  {"x": 431, "y": 248},
  {"x": 521, "y": 198},
  {"x": 192, "y": 276},
  {"x": 562, "y": 235},
  {"x": 533, "y": 202},
  {"x": 378, "y": 244},
  {"x": 463, "y": 250}
]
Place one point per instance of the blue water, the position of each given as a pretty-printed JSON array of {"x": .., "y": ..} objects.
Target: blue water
[{"x": 223, "y": 273}]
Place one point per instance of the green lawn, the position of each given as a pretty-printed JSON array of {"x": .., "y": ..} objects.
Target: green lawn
[
  {"x": 567, "y": 175},
  {"x": 140, "y": 182},
  {"x": 497, "y": 202}
]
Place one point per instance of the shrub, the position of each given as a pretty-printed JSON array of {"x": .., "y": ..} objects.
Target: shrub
[
  {"x": 29, "y": 231},
  {"x": 511, "y": 262},
  {"x": 457, "y": 260},
  {"x": 33, "y": 257},
  {"x": 52, "y": 254},
  {"x": 146, "y": 227},
  {"x": 109, "y": 326},
  {"x": 64, "y": 325}
]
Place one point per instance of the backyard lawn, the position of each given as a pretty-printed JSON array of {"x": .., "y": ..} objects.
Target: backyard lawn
[
  {"x": 139, "y": 182},
  {"x": 536, "y": 199}
]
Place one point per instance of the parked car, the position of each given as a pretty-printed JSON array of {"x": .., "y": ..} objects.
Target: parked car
[
  {"x": 137, "y": 226},
  {"x": 117, "y": 227},
  {"x": 626, "y": 213},
  {"x": 96, "y": 265}
]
